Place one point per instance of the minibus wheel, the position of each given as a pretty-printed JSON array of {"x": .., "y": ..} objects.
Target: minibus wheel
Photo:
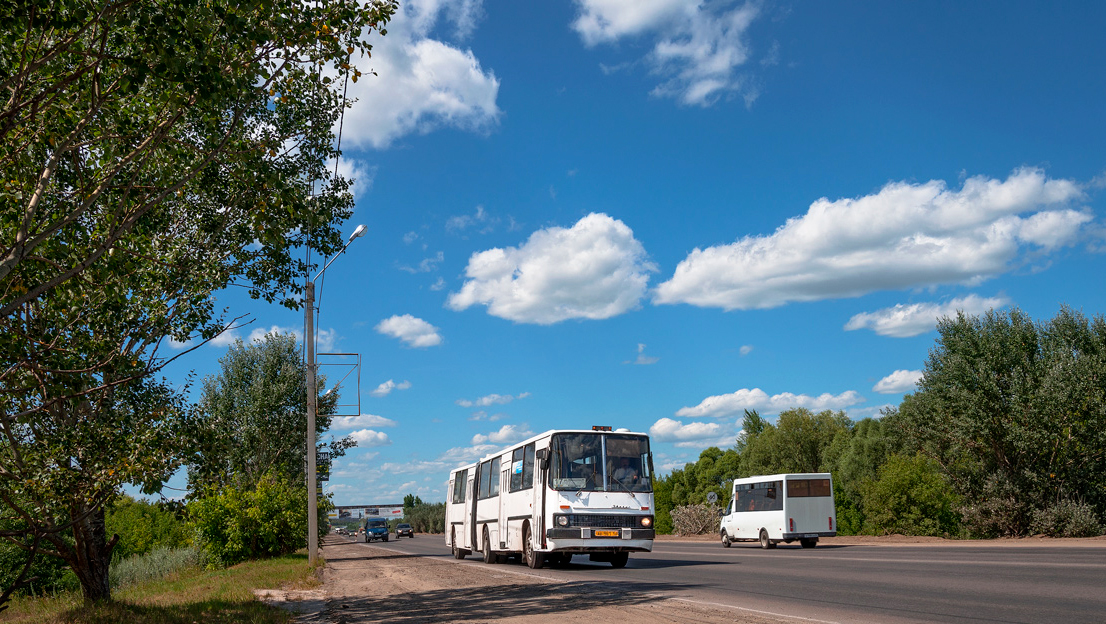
[
  {"x": 764, "y": 541},
  {"x": 725, "y": 539},
  {"x": 809, "y": 543},
  {"x": 618, "y": 560}
]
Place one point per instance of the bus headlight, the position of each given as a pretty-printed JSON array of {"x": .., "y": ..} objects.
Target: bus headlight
[
  {"x": 562, "y": 520},
  {"x": 647, "y": 521}
]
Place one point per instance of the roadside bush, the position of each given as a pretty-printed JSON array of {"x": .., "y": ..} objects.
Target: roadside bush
[
  {"x": 143, "y": 527},
  {"x": 909, "y": 497},
  {"x": 427, "y": 517},
  {"x": 240, "y": 524},
  {"x": 1000, "y": 510},
  {"x": 1067, "y": 518},
  {"x": 695, "y": 519}
]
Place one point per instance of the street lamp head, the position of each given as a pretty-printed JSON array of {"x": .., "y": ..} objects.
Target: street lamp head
[{"x": 359, "y": 232}]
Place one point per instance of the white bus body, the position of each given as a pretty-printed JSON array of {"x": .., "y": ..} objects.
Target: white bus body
[
  {"x": 553, "y": 496},
  {"x": 780, "y": 508}
]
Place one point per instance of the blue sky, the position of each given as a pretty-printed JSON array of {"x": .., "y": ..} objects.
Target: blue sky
[{"x": 655, "y": 214}]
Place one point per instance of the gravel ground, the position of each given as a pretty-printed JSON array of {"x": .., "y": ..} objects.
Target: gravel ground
[{"x": 363, "y": 585}]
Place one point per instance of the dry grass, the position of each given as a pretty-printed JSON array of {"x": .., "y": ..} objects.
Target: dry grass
[{"x": 192, "y": 596}]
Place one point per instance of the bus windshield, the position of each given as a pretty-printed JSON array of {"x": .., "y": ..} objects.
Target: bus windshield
[{"x": 600, "y": 462}]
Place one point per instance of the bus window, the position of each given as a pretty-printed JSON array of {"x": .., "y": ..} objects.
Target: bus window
[
  {"x": 802, "y": 488},
  {"x": 580, "y": 463},
  {"x": 493, "y": 477},
  {"x": 459, "y": 486}
]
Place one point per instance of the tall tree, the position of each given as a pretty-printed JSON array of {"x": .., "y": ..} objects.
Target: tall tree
[
  {"x": 252, "y": 418},
  {"x": 151, "y": 154},
  {"x": 1014, "y": 412}
]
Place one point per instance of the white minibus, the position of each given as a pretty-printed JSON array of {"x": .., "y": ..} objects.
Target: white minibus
[
  {"x": 555, "y": 495},
  {"x": 780, "y": 508}
]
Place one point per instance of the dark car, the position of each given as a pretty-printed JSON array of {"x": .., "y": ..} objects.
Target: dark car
[
  {"x": 404, "y": 529},
  {"x": 375, "y": 529}
]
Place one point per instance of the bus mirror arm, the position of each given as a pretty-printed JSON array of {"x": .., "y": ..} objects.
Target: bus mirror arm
[{"x": 543, "y": 458}]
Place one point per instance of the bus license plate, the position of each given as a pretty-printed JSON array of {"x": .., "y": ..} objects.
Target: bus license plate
[
  {"x": 607, "y": 534},
  {"x": 811, "y": 535}
]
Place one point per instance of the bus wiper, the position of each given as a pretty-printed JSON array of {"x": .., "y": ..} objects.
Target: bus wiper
[{"x": 625, "y": 488}]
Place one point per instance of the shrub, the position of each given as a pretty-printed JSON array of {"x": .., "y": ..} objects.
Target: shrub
[
  {"x": 1001, "y": 509},
  {"x": 427, "y": 517},
  {"x": 240, "y": 524},
  {"x": 1067, "y": 518},
  {"x": 143, "y": 527},
  {"x": 909, "y": 497},
  {"x": 695, "y": 519}
]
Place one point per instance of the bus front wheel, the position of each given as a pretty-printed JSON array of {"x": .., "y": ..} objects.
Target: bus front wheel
[
  {"x": 534, "y": 559},
  {"x": 725, "y": 539},
  {"x": 618, "y": 560}
]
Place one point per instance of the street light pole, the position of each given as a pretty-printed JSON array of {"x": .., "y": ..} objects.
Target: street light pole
[{"x": 312, "y": 397}]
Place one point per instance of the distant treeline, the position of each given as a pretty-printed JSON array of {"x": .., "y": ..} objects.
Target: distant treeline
[{"x": 1005, "y": 436}]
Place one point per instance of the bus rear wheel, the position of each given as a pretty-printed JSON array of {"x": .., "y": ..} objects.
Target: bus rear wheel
[
  {"x": 488, "y": 556},
  {"x": 725, "y": 539},
  {"x": 457, "y": 552},
  {"x": 618, "y": 560},
  {"x": 534, "y": 559},
  {"x": 809, "y": 543}
]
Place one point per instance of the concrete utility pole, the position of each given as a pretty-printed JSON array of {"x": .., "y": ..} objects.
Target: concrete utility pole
[{"x": 312, "y": 398}]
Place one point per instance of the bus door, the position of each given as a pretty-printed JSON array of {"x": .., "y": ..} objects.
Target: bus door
[
  {"x": 504, "y": 477},
  {"x": 469, "y": 531}
]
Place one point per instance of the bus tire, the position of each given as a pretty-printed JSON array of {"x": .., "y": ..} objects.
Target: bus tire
[
  {"x": 764, "y": 541},
  {"x": 457, "y": 552},
  {"x": 534, "y": 559},
  {"x": 488, "y": 556},
  {"x": 809, "y": 543},
  {"x": 725, "y": 539},
  {"x": 618, "y": 560}
]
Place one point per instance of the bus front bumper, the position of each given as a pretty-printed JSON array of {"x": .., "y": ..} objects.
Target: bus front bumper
[{"x": 583, "y": 540}]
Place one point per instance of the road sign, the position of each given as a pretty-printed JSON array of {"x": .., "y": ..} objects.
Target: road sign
[{"x": 712, "y": 498}]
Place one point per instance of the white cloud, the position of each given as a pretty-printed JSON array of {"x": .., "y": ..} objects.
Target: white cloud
[
  {"x": 491, "y": 399},
  {"x": 698, "y": 435},
  {"x": 426, "y": 265},
  {"x": 898, "y": 381},
  {"x": 746, "y": 349},
  {"x": 414, "y": 331},
  {"x": 482, "y": 415},
  {"x": 596, "y": 269},
  {"x": 756, "y": 399},
  {"x": 697, "y": 49},
  {"x": 422, "y": 83},
  {"x": 325, "y": 339},
  {"x": 386, "y": 388},
  {"x": 364, "y": 420},
  {"x": 507, "y": 434},
  {"x": 360, "y": 172},
  {"x": 642, "y": 359},
  {"x": 904, "y": 236},
  {"x": 460, "y": 223},
  {"x": 904, "y": 321},
  {"x": 368, "y": 438}
]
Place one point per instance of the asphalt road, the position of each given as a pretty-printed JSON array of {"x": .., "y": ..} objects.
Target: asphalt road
[{"x": 991, "y": 582}]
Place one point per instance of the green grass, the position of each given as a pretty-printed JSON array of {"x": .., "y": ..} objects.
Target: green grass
[{"x": 189, "y": 596}]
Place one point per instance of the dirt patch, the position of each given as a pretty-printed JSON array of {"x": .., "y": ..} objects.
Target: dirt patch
[{"x": 365, "y": 584}]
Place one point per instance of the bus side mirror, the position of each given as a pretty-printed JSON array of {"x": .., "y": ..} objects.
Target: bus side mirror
[{"x": 542, "y": 456}]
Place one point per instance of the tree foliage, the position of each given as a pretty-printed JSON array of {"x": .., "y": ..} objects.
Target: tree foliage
[
  {"x": 239, "y": 523},
  {"x": 151, "y": 153},
  {"x": 252, "y": 417},
  {"x": 1014, "y": 412}
]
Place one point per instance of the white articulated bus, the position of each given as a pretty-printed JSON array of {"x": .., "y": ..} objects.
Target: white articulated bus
[
  {"x": 780, "y": 508},
  {"x": 553, "y": 496}
]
